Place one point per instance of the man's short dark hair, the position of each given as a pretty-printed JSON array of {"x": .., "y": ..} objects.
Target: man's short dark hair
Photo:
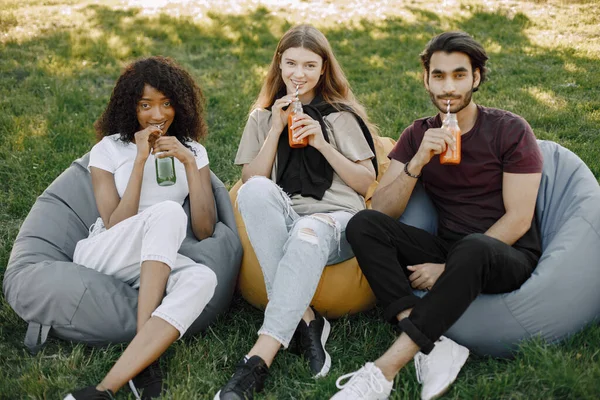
[{"x": 456, "y": 41}]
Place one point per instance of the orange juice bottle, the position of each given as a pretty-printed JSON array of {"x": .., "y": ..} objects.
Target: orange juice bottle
[
  {"x": 296, "y": 108},
  {"x": 449, "y": 156}
]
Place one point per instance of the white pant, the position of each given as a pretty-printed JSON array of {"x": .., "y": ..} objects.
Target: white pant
[{"x": 154, "y": 234}]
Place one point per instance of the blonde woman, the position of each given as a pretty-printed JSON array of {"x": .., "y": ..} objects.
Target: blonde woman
[{"x": 296, "y": 202}]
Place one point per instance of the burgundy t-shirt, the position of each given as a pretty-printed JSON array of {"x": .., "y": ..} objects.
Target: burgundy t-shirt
[{"x": 468, "y": 196}]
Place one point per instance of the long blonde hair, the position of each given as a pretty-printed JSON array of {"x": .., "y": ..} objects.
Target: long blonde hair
[{"x": 332, "y": 85}]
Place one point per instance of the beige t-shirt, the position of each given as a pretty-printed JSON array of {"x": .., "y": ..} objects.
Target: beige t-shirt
[{"x": 345, "y": 136}]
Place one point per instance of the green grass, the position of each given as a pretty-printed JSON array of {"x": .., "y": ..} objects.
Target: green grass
[{"x": 59, "y": 60}]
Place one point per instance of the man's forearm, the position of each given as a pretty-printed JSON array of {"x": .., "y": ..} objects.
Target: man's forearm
[
  {"x": 509, "y": 228},
  {"x": 393, "y": 198}
]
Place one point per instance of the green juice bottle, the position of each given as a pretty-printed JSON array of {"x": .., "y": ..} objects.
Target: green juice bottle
[{"x": 165, "y": 171}]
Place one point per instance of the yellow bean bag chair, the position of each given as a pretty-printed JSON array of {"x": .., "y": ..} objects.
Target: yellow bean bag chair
[{"x": 342, "y": 290}]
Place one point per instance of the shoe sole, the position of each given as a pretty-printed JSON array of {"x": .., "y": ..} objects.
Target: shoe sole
[
  {"x": 69, "y": 397},
  {"x": 324, "y": 335},
  {"x": 460, "y": 359}
]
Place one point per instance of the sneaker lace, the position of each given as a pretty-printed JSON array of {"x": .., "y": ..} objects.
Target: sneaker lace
[
  {"x": 361, "y": 382},
  {"x": 421, "y": 364},
  {"x": 311, "y": 345}
]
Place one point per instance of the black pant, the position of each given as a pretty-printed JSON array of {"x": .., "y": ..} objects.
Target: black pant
[{"x": 475, "y": 264}]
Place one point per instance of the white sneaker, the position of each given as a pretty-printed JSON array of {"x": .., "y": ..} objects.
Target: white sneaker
[
  {"x": 437, "y": 370},
  {"x": 368, "y": 383}
]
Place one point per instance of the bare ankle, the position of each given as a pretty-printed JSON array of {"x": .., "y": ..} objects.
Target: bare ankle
[
  {"x": 309, "y": 315},
  {"x": 266, "y": 347},
  {"x": 388, "y": 373},
  {"x": 267, "y": 359},
  {"x": 403, "y": 314}
]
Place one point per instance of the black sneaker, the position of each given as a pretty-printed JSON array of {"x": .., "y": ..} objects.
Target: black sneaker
[
  {"x": 148, "y": 384},
  {"x": 248, "y": 378},
  {"x": 90, "y": 393},
  {"x": 310, "y": 342}
]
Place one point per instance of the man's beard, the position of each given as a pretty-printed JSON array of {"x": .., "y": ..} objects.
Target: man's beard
[{"x": 455, "y": 109}]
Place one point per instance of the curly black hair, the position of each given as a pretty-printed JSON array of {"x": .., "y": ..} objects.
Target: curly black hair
[{"x": 163, "y": 74}]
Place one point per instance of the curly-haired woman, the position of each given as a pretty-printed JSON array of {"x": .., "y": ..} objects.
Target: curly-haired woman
[
  {"x": 156, "y": 110},
  {"x": 296, "y": 203}
]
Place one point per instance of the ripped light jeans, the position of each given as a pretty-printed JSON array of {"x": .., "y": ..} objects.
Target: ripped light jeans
[{"x": 292, "y": 251}]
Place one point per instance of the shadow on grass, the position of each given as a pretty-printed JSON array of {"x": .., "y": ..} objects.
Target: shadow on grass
[{"x": 59, "y": 84}]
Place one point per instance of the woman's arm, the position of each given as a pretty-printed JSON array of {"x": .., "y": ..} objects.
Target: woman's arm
[
  {"x": 112, "y": 208},
  {"x": 358, "y": 175},
  {"x": 262, "y": 164},
  {"x": 202, "y": 200}
]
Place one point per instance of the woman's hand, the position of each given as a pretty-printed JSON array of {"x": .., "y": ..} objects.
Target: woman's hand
[
  {"x": 279, "y": 117},
  {"x": 424, "y": 276},
  {"x": 305, "y": 126},
  {"x": 170, "y": 146},
  {"x": 144, "y": 140}
]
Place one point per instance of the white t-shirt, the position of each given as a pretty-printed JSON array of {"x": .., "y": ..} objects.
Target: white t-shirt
[{"x": 117, "y": 157}]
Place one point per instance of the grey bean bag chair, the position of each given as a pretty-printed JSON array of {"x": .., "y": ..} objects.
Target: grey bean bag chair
[
  {"x": 562, "y": 295},
  {"x": 72, "y": 302}
]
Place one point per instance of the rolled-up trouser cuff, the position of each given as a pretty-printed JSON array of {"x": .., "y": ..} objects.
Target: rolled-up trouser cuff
[
  {"x": 398, "y": 306},
  {"x": 406, "y": 326}
]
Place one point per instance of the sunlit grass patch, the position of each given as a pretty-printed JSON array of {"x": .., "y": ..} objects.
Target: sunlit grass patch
[{"x": 547, "y": 99}]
